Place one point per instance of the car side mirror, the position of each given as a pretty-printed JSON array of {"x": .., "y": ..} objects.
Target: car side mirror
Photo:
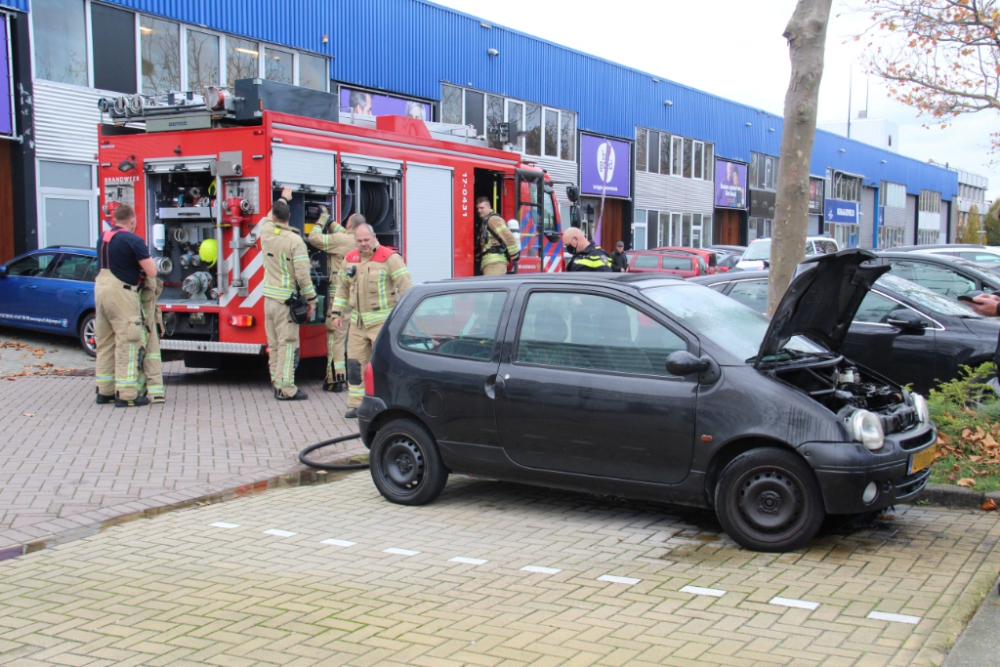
[
  {"x": 905, "y": 319},
  {"x": 682, "y": 363},
  {"x": 3, "y": 271}
]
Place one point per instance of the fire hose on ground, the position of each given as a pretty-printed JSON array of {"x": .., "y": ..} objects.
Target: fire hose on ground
[{"x": 330, "y": 466}]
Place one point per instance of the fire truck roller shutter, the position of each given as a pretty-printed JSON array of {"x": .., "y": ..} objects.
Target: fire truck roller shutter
[
  {"x": 429, "y": 229},
  {"x": 302, "y": 167}
]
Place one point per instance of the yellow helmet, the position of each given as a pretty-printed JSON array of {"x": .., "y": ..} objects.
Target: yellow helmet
[{"x": 209, "y": 252}]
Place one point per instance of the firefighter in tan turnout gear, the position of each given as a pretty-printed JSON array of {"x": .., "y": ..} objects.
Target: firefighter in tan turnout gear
[
  {"x": 286, "y": 275},
  {"x": 497, "y": 244},
  {"x": 336, "y": 241},
  {"x": 372, "y": 279}
]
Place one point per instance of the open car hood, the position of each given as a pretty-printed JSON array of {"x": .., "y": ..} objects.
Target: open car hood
[{"x": 821, "y": 301}]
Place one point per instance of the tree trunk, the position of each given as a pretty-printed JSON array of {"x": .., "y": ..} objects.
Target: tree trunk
[{"x": 806, "y": 35}]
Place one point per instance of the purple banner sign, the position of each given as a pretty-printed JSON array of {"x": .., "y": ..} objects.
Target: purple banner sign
[
  {"x": 605, "y": 166},
  {"x": 369, "y": 104},
  {"x": 730, "y": 184},
  {"x": 6, "y": 115}
]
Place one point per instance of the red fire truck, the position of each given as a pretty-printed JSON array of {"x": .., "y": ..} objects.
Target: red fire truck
[{"x": 202, "y": 170}]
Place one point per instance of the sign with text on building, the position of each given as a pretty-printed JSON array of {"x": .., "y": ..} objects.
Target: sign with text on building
[
  {"x": 6, "y": 77},
  {"x": 844, "y": 212},
  {"x": 816, "y": 188},
  {"x": 730, "y": 184},
  {"x": 605, "y": 166}
]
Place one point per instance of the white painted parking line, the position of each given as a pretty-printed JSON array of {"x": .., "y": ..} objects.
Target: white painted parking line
[
  {"x": 798, "y": 604},
  {"x": 223, "y": 524},
  {"x": 338, "y": 543},
  {"x": 698, "y": 590},
  {"x": 894, "y": 618},
  {"x": 400, "y": 552},
  {"x": 468, "y": 561},
  {"x": 538, "y": 569},
  {"x": 628, "y": 581},
  {"x": 277, "y": 532}
]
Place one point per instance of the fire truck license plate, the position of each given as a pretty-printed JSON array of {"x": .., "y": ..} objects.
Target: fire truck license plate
[{"x": 923, "y": 460}]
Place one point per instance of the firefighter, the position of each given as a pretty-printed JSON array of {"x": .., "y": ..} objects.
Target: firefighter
[
  {"x": 372, "y": 279},
  {"x": 123, "y": 257},
  {"x": 586, "y": 255},
  {"x": 336, "y": 241},
  {"x": 497, "y": 244},
  {"x": 286, "y": 280},
  {"x": 151, "y": 376}
]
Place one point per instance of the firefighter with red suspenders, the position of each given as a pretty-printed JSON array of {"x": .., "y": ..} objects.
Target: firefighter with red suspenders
[{"x": 121, "y": 337}]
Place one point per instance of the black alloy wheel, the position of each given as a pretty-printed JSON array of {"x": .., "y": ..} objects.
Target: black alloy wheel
[
  {"x": 405, "y": 464},
  {"x": 88, "y": 334},
  {"x": 768, "y": 500}
]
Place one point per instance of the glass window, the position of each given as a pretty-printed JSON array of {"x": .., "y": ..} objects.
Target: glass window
[
  {"x": 73, "y": 267},
  {"x": 278, "y": 65},
  {"x": 475, "y": 110},
  {"x": 875, "y": 309},
  {"x": 706, "y": 231},
  {"x": 160, "y": 50},
  {"x": 696, "y": 230},
  {"x": 241, "y": 59},
  {"x": 60, "y": 39},
  {"x": 665, "y": 153},
  {"x": 647, "y": 262},
  {"x": 939, "y": 279},
  {"x": 653, "y": 153},
  {"x": 639, "y": 230},
  {"x": 751, "y": 293},
  {"x": 641, "y": 139},
  {"x": 768, "y": 173},
  {"x": 699, "y": 159},
  {"x": 686, "y": 232},
  {"x": 676, "y": 263},
  {"x": 67, "y": 220},
  {"x": 549, "y": 216},
  {"x": 113, "y": 37},
  {"x": 688, "y": 157},
  {"x": 533, "y": 129},
  {"x": 312, "y": 72},
  {"x": 551, "y": 133},
  {"x": 665, "y": 238},
  {"x": 202, "y": 60},
  {"x": 455, "y": 325},
  {"x": 515, "y": 114},
  {"x": 677, "y": 153},
  {"x": 32, "y": 265},
  {"x": 567, "y": 136},
  {"x": 653, "y": 238},
  {"x": 709, "y": 162},
  {"x": 587, "y": 331},
  {"x": 494, "y": 116},
  {"x": 451, "y": 105},
  {"x": 64, "y": 175}
]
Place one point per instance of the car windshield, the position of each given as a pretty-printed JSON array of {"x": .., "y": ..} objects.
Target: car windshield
[
  {"x": 727, "y": 323},
  {"x": 758, "y": 251},
  {"x": 922, "y": 296}
]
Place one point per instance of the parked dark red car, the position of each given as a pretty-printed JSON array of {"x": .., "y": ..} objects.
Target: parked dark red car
[{"x": 681, "y": 264}]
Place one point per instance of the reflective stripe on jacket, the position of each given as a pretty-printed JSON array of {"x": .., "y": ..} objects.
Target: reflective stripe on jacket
[
  {"x": 379, "y": 279},
  {"x": 592, "y": 259},
  {"x": 493, "y": 251},
  {"x": 286, "y": 262}
]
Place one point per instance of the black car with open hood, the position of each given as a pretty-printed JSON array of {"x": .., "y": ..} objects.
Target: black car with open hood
[{"x": 646, "y": 387}]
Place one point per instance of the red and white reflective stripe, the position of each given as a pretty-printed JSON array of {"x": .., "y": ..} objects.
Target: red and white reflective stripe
[{"x": 252, "y": 274}]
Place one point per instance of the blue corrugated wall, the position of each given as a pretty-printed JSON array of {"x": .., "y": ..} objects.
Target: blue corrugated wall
[
  {"x": 410, "y": 46},
  {"x": 19, "y": 5}
]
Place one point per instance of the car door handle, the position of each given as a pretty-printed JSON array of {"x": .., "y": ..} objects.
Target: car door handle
[{"x": 493, "y": 384}]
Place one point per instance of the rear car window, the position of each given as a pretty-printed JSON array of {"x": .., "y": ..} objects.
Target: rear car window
[
  {"x": 752, "y": 293},
  {"x": 937, "y": 278},
  {"x": 73, "y": 267},
  {"x": 587, "y": 331},
  {"x": 646, "y": 262},
  {"x": 462, "y": 324},
  {"x": 825, "y": 247},
  {"x": 677, "y": 263}
]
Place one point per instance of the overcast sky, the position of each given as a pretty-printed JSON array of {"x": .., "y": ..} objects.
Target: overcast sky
[{"x": 702, "y": 44}]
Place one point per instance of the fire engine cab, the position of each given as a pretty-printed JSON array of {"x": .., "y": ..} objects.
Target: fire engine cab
[{"x": 201, "y": 171}]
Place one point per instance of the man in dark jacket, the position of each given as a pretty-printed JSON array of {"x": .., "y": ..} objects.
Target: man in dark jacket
[
  {"x": 586, "y": 255},
  {"x": 619, "y": 260}
]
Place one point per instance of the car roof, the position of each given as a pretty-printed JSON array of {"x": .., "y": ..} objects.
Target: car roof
[
  {"x": 635, "y": 280},
  {"x": 730, "y": 277},
  {"x": 939, "y": 246},
  {"x": 669, "y": 253},
  {"x": 82, "y": 249}
]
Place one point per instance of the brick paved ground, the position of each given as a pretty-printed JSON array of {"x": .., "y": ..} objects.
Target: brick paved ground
[
  {"x": 29, "y": 352},
  {"x": 178, "y": 590},
  {"x": 67, "y": 464}
]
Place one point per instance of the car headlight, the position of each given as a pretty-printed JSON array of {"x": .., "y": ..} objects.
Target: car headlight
[
  {"x": 920, "y": 406},
  {"x": 866, "y": 428}
]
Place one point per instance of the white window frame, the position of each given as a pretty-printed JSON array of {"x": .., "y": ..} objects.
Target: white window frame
[
  {"x": 636, "y": 226},
  {"x": 545, "y": 111},
  {"x": 42, "y": 192},
  {"x": 675, "y": 168},
  {"x": 694, "y": 160}
]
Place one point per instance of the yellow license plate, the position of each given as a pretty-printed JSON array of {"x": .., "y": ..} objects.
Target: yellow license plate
[{"x": 923, "y": 460}]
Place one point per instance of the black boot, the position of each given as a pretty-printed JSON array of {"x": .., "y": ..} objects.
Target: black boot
[
  {"x": 351, "y": 414},
  {"x": 104, "y": 400},
  {"x": 299, "y": 396},
  {"x": 134, "y": 403}
]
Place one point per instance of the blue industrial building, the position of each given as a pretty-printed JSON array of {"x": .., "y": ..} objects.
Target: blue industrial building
[{"x": 68, "y": 53}]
